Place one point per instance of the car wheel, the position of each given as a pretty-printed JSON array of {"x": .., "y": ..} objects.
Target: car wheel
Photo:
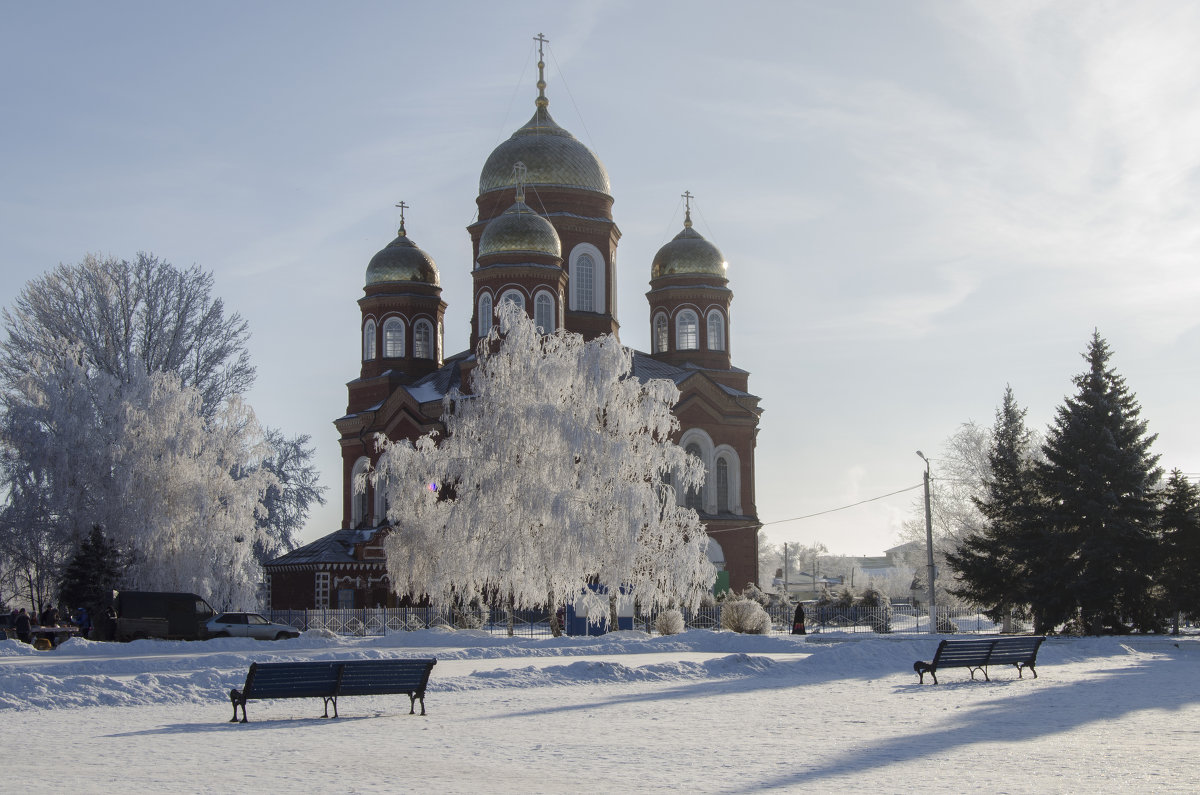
[{"x": 282, "y": 636}]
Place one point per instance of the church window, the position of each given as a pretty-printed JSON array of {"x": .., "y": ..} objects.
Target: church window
[
  {"x": 359, "y": 506},
  {"x": 695, "y": 498},
  {"x": 723, "y": 486},
  {"x": 369, "y": 341},
  {"x": 585, "y": 269},
  {"x": 585, "y": 276},
  {"x": 716, "y": 331},
  {"x": 543, "y": 313},
  {"x": 687, "y": 333},
  {"x": 485, "y": 314},
  {"x": 660, "y": 333},
  {"x": 393, "y": 338},
  {"x": 423, "y": 340},
  {"x": 514, "y": 297}
]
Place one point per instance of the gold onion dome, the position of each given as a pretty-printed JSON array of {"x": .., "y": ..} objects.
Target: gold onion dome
[
  {"x": 552, "y": 156},
  {"x": 689, "y": 252},
  {"x": 402, "y": 261},
  {"x": 519, "y": 230}
]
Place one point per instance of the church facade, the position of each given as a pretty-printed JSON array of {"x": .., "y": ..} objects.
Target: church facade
[{"x": 545, "y": 239}]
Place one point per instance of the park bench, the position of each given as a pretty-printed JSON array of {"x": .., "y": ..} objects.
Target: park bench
[
  {"x": 978, "y": 653},
  {"x": 330, "y": 679}
]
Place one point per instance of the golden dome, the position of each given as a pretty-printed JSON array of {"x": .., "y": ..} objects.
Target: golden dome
[
  {"x": 519, "y": 230},
  {"x": 689, "y": 252},
  {"x": 402, "y": 261}
]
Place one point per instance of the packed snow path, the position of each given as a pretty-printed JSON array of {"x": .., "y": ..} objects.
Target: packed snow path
[{"x": 703, "y": 712}]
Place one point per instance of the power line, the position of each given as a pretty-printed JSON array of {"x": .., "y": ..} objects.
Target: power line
[{"x": 821, "y": 513}]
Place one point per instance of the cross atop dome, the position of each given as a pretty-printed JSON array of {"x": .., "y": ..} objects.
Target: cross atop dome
[
  {"x": 541, "y": 102},
  {"x": 687, "y": 209},
  {"x": 402, "y": 207}
]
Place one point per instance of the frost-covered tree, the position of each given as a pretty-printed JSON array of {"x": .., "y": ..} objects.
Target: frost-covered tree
[
  {"x": 554, "y": 474},
  {"x": 177, "y": 489},
  {"x": 89, "y": 342},
  {"x": 1099, "y": 487},
  {"x": 294, "y": 489},
  {"x": 128, "y": 318}
]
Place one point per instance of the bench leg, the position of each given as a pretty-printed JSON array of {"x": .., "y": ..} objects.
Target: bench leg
[
  {"x": 235, "y": 697},
  {"x": 328, "y": 701}
]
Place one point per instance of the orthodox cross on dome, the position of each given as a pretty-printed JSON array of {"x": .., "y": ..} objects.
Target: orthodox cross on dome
[
  {"x": 541, "y": 102},
  {"x": 519, "y": 180},
  {"x": 402, "y": 207},
  {"x": 687, "y": 211}
]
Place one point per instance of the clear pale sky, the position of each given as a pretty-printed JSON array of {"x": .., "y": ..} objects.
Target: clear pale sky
[{"x": 919, "y": 202}]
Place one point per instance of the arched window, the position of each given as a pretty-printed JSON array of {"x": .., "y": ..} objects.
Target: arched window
[
  {"x": 722, "y": 486},
  {"x": 695, "y": 496},
  {"x": 423, "y": 340},
  {"x": 381, "y": 502},
  {"x": 716, "y": 331},
  {"x": 514, "y": 297},
  {"x": 687, "y": 333},
  {"x": 543, "y": 313},
  {"x": 586, "y": 279},
  {"x": 393, "y": 338},
  {"x": 660, "y": 333},
  {"x": 358, "y": 492},
  {"x": 585, "y": 271},
  {"x": 368, "y": 340},
  {"x": 485, "y": 314}
]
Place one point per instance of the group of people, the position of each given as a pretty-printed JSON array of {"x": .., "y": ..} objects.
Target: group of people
[{"x": 22, "y": 623}]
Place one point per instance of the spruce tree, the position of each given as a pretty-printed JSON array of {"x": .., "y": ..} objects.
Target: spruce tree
[
  {"x": 1099, "y": 509},
  {"x": 1180, "y": 528},
  {"x": 93, "y": 572},
  {"x": 997, "y": 565}
]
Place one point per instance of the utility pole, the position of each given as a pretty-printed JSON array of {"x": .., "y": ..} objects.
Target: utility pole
[
  {"x": 929, "y": 548},
  {"x": 785, "y": 567}
]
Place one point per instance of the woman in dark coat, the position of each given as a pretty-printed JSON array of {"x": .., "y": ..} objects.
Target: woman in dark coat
[
  {"x": 23, "y": 627},
  {"x": 798, "y": 621}
]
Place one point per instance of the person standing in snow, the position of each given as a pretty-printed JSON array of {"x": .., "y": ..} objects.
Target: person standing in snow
[
  {"x": 83, "y": 621},
  {"x": 23, "y": 627},
  {"x": 798, "y": 620}
]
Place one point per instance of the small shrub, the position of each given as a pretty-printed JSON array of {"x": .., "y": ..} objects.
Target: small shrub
[
  {"x": 745, "y": 616},
  {"x": 466, "y": 618},
  {"x": 752, "y": 591},
  {"x": 669, "y": 622},
  {"x": 878, "y": 608}
]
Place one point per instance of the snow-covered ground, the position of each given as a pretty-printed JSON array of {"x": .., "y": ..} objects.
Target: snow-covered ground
[{"x": 698, "y": 712}]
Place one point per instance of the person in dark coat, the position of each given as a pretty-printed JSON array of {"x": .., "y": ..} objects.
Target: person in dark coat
[
  {"x": 23, "y": 627},
  {"x": 798, "y": 620},
  {"x": 83, "y": 621}
]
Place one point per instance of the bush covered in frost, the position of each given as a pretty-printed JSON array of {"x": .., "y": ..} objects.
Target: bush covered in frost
[
  {"x": 669, "y": 622},
  {"x": 879, "y": 609},
  {"x": 746, "y": 616}
]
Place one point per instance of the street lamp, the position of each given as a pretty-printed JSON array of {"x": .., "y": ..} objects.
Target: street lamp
[{"x": 929, "y": 547}]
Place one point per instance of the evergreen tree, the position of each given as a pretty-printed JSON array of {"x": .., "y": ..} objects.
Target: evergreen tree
[
  {"x": 1099, "y": 509},
  {"x": 93, "y": 572},
  {"x": 1180, "y": 526},
  {"x": 997, "y": 565}
]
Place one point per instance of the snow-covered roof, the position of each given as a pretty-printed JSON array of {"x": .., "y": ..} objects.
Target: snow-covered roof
[{"x": 337, "y": 547}]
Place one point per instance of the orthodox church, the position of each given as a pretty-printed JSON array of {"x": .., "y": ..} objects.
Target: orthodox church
[{"x": 545, "y": 239}]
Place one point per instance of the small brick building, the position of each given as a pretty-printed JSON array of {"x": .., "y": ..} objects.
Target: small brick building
[{"x": 558, "y": 261}]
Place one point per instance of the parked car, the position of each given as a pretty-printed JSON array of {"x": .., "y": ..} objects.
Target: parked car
[{"x": 248, "y": 625}]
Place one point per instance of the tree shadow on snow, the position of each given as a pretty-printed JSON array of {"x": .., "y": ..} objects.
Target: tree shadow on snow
[{"x": 1024, "y": 709}]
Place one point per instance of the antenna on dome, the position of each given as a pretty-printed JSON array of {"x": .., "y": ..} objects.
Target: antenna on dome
[
  {"x": 541, "y": 102},
  {"x": 402, "y": 207},
  {"x": 687, "y": 209}
]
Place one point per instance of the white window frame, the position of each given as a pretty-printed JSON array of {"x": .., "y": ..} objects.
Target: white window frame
[
  {"x": 576, "y": 281},
  {"x": 393, "y": 324},
  {"x": 659, "y": 333},
  {"x": 514, "y": 295},
  {"x": 423, "y": 328},
  {"x": 684, "y": 316},
  {"x": 716, "y": 321},
  {"x": 544, "y": 312},
  {"x": 486, "y": 315},
  {"x": 733, "y": 463},
  {"x": 369, "y": 340}
]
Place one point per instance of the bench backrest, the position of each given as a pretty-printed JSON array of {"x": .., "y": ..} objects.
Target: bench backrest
[
  {"x": 367, "y": 677},
  {"x": 962, "y": 652},
  {"x": 292, "y": 679},
  {"x": 1020, "y": 649}
]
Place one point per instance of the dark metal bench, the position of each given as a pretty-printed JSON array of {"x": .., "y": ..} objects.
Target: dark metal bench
[
  {"x": 329, "y": 679},
  {"x": 977, "y": 654}
]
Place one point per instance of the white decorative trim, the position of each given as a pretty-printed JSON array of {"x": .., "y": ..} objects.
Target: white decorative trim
[{"x": 599, "y": 274}]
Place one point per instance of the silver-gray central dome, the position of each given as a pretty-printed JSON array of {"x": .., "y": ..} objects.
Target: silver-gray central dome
[{"x": 552, "y": 156}]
